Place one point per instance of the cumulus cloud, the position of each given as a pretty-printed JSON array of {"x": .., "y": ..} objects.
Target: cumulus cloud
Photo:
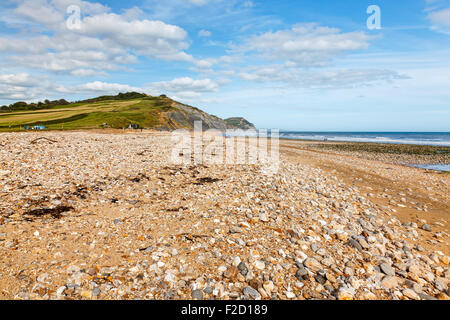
[
  {"x": 305, "y": 44},
  {"x": 23, "y": 86},
  {"x": 106, "y": 41}
]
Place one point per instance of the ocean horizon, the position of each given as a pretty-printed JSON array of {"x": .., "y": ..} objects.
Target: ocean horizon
[{"x": 415, "y": 138}]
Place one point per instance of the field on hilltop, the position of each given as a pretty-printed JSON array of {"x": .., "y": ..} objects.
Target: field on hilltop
[
  {"x": 160, "y": 113},
  {"x": 146, "y": 112}
]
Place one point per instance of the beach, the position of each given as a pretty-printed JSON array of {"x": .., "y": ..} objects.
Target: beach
[{"x": 105, "y": 215}]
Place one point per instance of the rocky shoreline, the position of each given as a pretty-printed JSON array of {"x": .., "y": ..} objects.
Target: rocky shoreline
[{"x": 85, "y": 215}]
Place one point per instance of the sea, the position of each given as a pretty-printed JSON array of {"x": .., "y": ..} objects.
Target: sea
[
  {"x": 419, "y": 138},
  {"x": 441, "y": 139}
]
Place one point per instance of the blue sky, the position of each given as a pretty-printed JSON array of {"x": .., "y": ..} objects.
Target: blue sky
[{"x": 292, "y": 65}]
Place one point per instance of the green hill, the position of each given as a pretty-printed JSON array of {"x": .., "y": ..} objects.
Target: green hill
[{"x": 119, "y": 111}]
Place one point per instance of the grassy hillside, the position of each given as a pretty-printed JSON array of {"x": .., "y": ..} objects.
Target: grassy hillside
[{"x": 116, "y": 113}]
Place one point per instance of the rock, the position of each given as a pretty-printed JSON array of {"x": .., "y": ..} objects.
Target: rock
[
  {"x": 426, "y": 227},
  {"x": 411, "y": 294},
  {"x": 348, "y": 272},
  {"x": 60, "y": 290},
  {"x": 344, "y": 294},
  {"x": 355, "y": 244},
  {"x": 415, "y": 269},
  {"x": 242, "y": 268},
  {"x": 301, "y": 273},
  {"x": 425, "y": 296},
  {"x": 251, "y": 293},
  {"x": 260, "y": 265},
  {"x": 263, "y": 217},
  {"x": 387, "y": 269},
  {"x": 268, "y": 287},
  {"x": 96, "y": 292},
  {"x": 439, "y": 284},
  {"x": 197, "y": 294},
  {"x": 231, "y": 272},
  {"x": 389, "y": 282},
  {"x": 86, "y": 294},
  {"x": 312, "y": 264},
  {"x": 342, "y": 236},
  {"x": 320, "y": 279},
  {"x": 208, "y": 290},
  {"x": 289, "y": 295}
]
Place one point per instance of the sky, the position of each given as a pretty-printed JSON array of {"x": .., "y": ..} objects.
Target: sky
[{"x": 304, "y": 65}]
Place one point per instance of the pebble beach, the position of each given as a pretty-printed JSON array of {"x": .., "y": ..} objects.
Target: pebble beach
[{"x": 105, "y": 215}]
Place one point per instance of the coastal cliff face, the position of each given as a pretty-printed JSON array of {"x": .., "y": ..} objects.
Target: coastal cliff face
[
  {"x": 239, "y": 123},
  {"x": 184, "y": 116}
]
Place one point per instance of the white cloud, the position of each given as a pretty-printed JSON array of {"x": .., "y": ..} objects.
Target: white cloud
[
  {"x": 440, "y": 20},
  {"x": 106, "y": 41},
  {"x": 324, "y": 79},
  {"x": 23, "y": 86},
  {"x": 103, "y": 87},
  {"x": 185, "y": 84},
  {"x": 145, "y": 36},
  {"x": 305, "y": 44},
  {"x": 441, "y": 17},
  {"x": 438, "y": 15},
  {"x": 20, "y": 79},
  {"x": 204, "y": 33}
]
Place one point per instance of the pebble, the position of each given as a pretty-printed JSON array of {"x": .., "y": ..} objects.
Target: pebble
[
  {"x": 197, "y": 294},
  {"x": 387, "y": 269},
  {"x": 355, "y": 244},
  {"x": 389, "y": 282},
  {"x": 260, "y": 265},
  {"x": 242, "y": 268},
  {"x": 251, "y": 293},
  {"x": 411, "y": 294},
  {"x": 263, "y": 217},
  {"x": 96, "y": 292}
]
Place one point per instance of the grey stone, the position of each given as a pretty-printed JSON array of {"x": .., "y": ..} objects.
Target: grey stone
[
  {"x": 251, "y": 293},
  {"x": 425, "y": 296},
  {"x": 197, "y": 294},
  {"x": 387, "y": 269},
  {"x": 301, "y": 274},
  {"x": 320, "y": 279},
  {"x": 426, "y": 227},
  {"x": 355, "y": 244},
  {"x": 242, "y": 268},
  {"x": 96, "y": 292},
  {"x": 208, "y": 290}
]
